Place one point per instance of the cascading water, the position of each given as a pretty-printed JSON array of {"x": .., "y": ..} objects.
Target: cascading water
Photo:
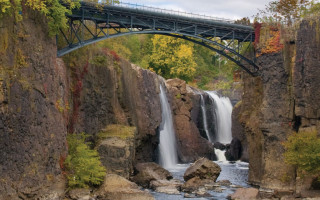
[
  {"x": 167, "y": 146},
  {"x": 205, "y": 122},
  {"x": 223, "y": 110}
]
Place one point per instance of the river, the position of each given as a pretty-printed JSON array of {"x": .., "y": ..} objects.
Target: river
[{"x": 235, "y": 172}]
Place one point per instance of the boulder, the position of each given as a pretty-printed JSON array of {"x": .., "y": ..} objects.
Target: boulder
[
  {"x": 119, "y": 188},
  {"x": 203, "y": 169},
  {"x": 166, "y": 186},
  {"x": 234, "y": 152},
  {"x": 245, "y": 194},
  {"x": 80, "y": 194},
  {"x": 219, "y": 145},
  {"x": 193, "y": 184},
  {"x": 117, "y": 155},
  {"x": 147, "y": 172}
]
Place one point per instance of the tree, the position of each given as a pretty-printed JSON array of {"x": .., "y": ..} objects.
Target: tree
[
  {"x": 172, "y": 58},
  {"x": 83, "y": 164},
  {"x": 287, "y": 11}
]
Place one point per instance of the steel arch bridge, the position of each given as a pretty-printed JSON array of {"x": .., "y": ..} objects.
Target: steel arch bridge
[{"x": 94, "y": 22}]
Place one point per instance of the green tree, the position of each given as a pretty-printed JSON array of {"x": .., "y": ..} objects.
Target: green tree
[{"x": 83, "y": 164}]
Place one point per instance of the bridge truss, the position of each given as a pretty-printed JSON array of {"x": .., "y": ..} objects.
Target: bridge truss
[{"x": 94, "y": 22}]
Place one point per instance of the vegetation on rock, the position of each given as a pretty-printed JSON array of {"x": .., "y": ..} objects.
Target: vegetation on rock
[
  {"x": 117, "y": 130},
  {"x": 84, "y": 168},
  {"x": 303, "y": 151}
]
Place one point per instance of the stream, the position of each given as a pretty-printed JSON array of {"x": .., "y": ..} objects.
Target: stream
[{"x": 235, "y": 172}]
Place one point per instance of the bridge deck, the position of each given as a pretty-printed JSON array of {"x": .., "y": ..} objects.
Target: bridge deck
[{"x": 126, "y": 17}]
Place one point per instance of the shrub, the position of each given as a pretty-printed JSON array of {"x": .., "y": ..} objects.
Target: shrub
[
  {"x": 83, "y": 164},
  {"x": 303, "y": 151}
]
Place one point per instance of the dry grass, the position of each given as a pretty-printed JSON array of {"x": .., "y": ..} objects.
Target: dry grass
[{"x": 117, "y": 130}]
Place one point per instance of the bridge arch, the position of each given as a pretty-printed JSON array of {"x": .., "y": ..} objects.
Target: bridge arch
[{"x": 202, "y": 32}]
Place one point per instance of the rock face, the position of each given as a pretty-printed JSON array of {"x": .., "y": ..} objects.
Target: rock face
[
  {"x": 191, "y": 146},
  {"x": 203, "y": 169},
  {"x": 117, "y": 155},
  {"x": 147, "y": 172},
  {"x": 130, "y": 96},
  {"x": 280, "y": 101},
  {"x": 117, "y": 187},
  {"x": 33, "y": 98},
  {"x": 238, "y": 133}
]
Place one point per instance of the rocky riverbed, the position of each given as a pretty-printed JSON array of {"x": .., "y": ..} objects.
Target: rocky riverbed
[{"x": 235, "y": 172}]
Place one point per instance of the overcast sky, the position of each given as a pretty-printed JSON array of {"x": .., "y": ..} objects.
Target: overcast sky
[{"x": 230, "y": 9}]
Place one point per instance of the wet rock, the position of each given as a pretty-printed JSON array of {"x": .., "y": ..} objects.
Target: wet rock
[
  {"x": 224, "y": 182},
  {"x": 245, "y": 194},
  {"x": 189, "y": 195},
  {"x": 80, "y": 194},
  {"x": 212, "y": 186},
  {"x": 184, "y": 102},
  {"x": 195, "y": 183},
  {"x": 202, "y": 192},
  {"x": 117, "y": 187},
  {"x": 219, "y": 145},
  {"x": 203, "y": 169},
  {"x": 147, "y": 172},
  {"x": 234, "y": 152},
  {"x": 238, "y": 132},
  {"x": 166, "y": 186}
]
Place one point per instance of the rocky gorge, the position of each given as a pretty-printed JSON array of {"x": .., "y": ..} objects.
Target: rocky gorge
[{"x": 43, "y": 98}]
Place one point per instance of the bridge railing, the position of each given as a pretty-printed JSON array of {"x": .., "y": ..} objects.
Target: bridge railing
[
  {"x": 170, "y": 12},
  {"x": 173, "y": 12}
]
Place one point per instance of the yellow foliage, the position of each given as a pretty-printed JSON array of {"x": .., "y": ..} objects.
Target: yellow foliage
[{"x": 172, "y": 58}]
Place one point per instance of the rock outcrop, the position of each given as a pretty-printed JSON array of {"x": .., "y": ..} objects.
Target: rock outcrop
[
  {"x": 203, "y": 169},
  {"x": 33, "y": 106},
  {"x": 117, "y": 187},
  {"x": 191, "y": 146},
  {"x": 202, "y": 173},
  {"x": 116, "y": 149},
  {"x": 282, "y": 100},
  {"x": 147, "y": 172}
]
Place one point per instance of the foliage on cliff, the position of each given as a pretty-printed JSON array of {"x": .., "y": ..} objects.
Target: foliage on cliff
[
  {"x": 83, "y": 164},
  {"x": 303, "y": 151},
  {"x": 208, "y": 70},
  {"x": 117, "y": 130},
  {"x": 269, "y": 40},
  {"x": 172, "y": 57},
  {"x": 52, "y": 9}
]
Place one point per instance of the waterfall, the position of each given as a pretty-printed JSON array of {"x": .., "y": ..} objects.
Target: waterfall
[
  {"x": 204, "y": 116},
  {"x": 223, "y": 110},
  {"x": 167, "y": 146}
]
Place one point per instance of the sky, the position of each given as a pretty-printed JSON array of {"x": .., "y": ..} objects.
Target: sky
[{"x": 229, "y": 9}]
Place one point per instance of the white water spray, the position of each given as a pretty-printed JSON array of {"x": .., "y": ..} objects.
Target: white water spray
[
  {"x": 223, "y": 109},
  {"x": 167, "y": 146},
  {"x": 204, "y": 116}
]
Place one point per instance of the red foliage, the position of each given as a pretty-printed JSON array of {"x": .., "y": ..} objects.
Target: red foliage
[
  {"x": 257, "y": 28},
  {"x": 77, "y": 89},
  {"x": 115, "y": 56},
  {"x": 61, "y": 162}
]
